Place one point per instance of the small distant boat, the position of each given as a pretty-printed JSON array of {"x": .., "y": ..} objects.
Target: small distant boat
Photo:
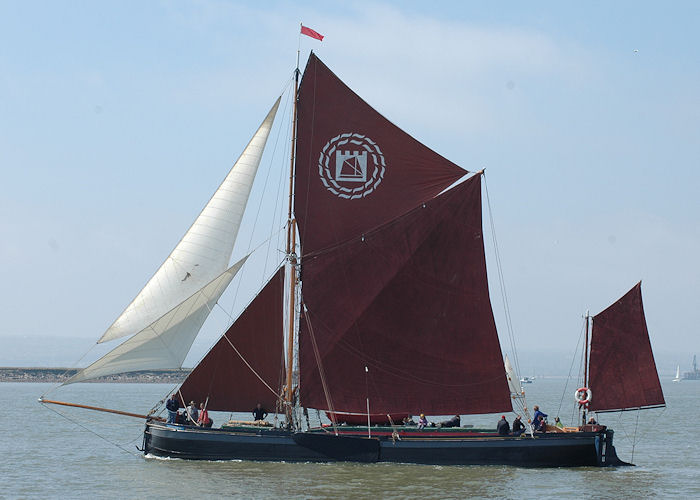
[
  {"x": 527, "y": 380},
  {"x": 678, "y": 374}
]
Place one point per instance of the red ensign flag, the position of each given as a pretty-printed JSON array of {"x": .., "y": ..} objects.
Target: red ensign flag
[{"x": 309, "y": 32}]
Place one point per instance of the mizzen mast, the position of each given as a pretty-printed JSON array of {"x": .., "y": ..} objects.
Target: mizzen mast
[{"x": 585, "y": 365}]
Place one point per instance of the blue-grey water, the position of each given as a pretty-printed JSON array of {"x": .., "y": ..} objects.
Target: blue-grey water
[{"x": 81, "y": 453}]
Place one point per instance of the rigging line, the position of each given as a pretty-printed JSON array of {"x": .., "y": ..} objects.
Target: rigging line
[
  {"x": 241, "y": 273},
  {"x": 53, "y": 388},
  {"x": 322, "y": 374},
  {"x": 93, "y": 432},
  {"x": 286, "y": 86},
  {"x": 264, "y": 190},
  {"x": 501, "y": 278},
  {"x": 159, "y": 403},
  {"x": 571, "y": 368},
  {"x": 621, "y": 427},
  {"x": 634, "y": 439},
  {"x": 278, "y": 196},
  {"x": 257, "y": 215}
]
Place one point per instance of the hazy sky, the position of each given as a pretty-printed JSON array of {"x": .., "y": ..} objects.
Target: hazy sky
[{"x": 119, "y": 119}]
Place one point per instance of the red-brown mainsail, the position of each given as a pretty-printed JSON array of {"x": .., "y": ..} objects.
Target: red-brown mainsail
[{"x": 403, "y": 302}]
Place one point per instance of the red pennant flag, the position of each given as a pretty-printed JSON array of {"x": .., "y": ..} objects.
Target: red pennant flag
[{"x": 309, "y": 32}]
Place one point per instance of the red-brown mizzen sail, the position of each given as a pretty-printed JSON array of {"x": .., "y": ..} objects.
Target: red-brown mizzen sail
[
  {"x": 224, "y": 378},
  {"x": 355, "y": 170},
  {"x": 410, "y": 301},
  {"x": 623, "y": 373}
]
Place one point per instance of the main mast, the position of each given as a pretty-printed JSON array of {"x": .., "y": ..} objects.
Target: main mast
[{"x": 292, "y": 259}]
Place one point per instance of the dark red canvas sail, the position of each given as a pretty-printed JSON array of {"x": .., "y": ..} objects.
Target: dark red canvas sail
[
  {"x": 623, "y": 374},
  {"x": 410, "y": 301},
  {"x": 224, "y": 378},
  {"x": 355, "y": 170}
]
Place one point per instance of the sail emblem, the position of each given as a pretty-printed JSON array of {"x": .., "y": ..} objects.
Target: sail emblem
[{"x": 351, "y": 166}]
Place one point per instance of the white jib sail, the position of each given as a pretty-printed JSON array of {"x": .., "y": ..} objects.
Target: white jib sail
[
  {"x": 205, "y": 250},
  {"x": 164, "y": 344},
  {"x": 516, "y": 390}
]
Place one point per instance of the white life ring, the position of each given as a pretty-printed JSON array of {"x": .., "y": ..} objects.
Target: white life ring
[{"x": 583, "y": 395}]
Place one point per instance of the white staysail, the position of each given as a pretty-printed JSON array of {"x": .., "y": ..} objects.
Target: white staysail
[
  {"x": 205, "y": 250},
  {"x": 678, "y": 374},
  {"x": 164, "y": 343},
  {"x": 516, "y": 390}
]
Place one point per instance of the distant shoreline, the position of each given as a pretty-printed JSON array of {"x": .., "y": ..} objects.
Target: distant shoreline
[{"x": 57, "y": 375}]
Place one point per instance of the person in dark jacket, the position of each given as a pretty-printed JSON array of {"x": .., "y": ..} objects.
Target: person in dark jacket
[
  {"x": 259, "y": 413},
  {"x": 503, "y": 426},
  {"x": 453, "y": 422},
  {"x": 172, "y": 406},
  {"x": 518, "y": 426}
]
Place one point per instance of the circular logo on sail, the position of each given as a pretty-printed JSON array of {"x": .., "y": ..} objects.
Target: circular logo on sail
[{"x": 351, "y": 166}]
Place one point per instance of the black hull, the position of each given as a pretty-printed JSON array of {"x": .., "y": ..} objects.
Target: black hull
[{"x": 265, "y": 444}]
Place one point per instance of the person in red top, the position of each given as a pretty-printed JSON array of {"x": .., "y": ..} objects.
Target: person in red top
[{"x": 203, "y": 420}]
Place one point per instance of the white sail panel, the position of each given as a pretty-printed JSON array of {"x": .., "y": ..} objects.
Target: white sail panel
[
  {"x": 516, "y": 390},
  {"x": 205, "y": 250},
  {"x": 164, "y": 344}
]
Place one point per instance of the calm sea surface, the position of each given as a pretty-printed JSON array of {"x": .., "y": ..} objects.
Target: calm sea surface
[{"x": 81, "y": 453}]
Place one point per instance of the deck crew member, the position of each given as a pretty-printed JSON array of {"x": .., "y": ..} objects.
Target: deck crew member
[
  {"x": 541, "y": 425},
  {"x": 172, "y": 406},
  {"x": 503, "y": 427},
  {"x": 518, "y": 426},
  {"x": 536, "y": 417},
  {"x": 192, "y": 413},
  {"x": 203, "y": 420},
  {"x": 452, "y": 422},
  {"x": 259, "y": 413}
]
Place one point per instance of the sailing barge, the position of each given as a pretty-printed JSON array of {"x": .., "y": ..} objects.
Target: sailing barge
[{"x": 383, "y": 304}]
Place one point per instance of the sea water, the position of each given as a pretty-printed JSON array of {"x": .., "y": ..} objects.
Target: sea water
[{"x": 52, "y": 451}]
